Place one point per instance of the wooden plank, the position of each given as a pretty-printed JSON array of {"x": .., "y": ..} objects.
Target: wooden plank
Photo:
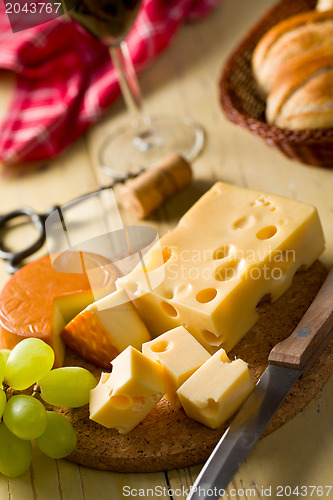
[
  {"x": 70, "y": 481},
  {"x": 99, "y": 485},
  {"x": 185, "y": 78},
  {"x": 20, "y": 487},
  {"x": 44, "y": 477},
  {"x": 181, "y": 480}
]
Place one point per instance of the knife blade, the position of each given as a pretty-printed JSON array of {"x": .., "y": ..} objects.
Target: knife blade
[{"x": 287, "y": 361}]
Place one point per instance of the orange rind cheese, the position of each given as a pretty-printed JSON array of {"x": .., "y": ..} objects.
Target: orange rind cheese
[
  {"x": 38, "y": 301},
  {"x": 105, "y": 328},
  {"x": 87, "y": 336}
]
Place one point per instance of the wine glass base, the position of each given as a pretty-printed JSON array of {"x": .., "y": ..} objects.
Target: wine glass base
[{"x": 124, "y": 152}]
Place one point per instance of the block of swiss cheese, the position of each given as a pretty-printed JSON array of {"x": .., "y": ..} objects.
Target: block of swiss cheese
[
  {"x": 231, "y": 249},
  {"x": 38, "y": 301}
]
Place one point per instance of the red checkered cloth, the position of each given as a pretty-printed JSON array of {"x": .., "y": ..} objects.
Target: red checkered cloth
[{"x": 66, "y": 80}]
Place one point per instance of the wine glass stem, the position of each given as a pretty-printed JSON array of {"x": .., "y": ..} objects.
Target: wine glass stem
[{"x": 130, "y": 89}]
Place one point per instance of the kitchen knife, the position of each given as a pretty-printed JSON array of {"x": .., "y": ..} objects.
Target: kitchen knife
[{"x": 287, "y": 361}]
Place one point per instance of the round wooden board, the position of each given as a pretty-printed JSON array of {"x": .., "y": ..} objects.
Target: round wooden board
[{"x": 167, "y": 439}]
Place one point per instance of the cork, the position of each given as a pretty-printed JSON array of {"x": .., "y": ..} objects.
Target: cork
[
  {"x": 167, "y": 439},
  {"x": 144, "y": 194}
]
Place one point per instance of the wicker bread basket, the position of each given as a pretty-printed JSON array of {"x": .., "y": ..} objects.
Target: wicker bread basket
[{"x": 242, "y": 104}]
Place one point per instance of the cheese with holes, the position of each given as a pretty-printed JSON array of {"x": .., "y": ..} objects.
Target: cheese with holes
[
  {"x": 179, "y": 354},
  {"x": 231, "y": 249},
  {"x": 123, "y": 398},
  {"x": 105, "y": 328},
  {"x": 216, "y": 390},
  {"x": 38, "y": 300}
]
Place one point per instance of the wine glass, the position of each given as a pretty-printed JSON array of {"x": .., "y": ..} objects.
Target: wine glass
[{"x": 145, "y": 140}]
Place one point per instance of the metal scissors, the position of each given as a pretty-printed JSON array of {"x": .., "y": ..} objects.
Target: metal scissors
[{"x": 14, "y": 260}]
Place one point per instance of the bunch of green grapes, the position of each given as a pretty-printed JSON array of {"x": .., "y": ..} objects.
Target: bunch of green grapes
[{"x": 23, "y": 417}]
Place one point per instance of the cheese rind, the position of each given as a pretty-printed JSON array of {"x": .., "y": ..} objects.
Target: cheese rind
[
  {"x": 216, "y": 390},
  {"x": 38, "y": 300},
  {"x": 105, "y": 328},
  {"x": 179, "y": 354},
  {"x": 232, "y": 248},
  {"x": 122, "y": 399}
]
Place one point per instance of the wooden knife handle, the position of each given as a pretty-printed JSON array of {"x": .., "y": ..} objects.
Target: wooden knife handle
[{"x": 314, "y": 329}]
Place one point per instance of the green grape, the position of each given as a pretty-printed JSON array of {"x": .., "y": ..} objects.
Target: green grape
[
  {"x": 2, "y": 367},
  {"x": 30, "y": 360},
  {"x": 25, "y": 416},
  {"x": 3, "y": 401},
  {"x": 5, "y": 353},
  {"x": 67, "y": 386},
  {"x": 59, "y": 438},
  {"x": 15, "y": 453}
]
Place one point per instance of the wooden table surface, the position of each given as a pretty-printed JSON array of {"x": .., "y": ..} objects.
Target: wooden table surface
[{"x": 184, "y": 78}]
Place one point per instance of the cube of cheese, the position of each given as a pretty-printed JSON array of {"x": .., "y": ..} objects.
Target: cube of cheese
[
  {"x": 105, "y": 328},
  {"x": 122, "y": 399},
  {"x": 216, "y": 390},
  {"x": 232, "y": 248},
  {"x": 179, "y": 354}
]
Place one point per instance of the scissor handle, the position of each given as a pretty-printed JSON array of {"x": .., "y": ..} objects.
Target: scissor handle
[{"x": 13, "y": 259}]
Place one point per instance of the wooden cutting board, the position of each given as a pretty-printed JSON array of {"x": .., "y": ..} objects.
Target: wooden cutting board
[{"x": 167, "y": 439}]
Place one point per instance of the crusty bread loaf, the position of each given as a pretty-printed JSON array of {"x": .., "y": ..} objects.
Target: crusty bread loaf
[
  {"x": 298, "y": 36},
  {"x": 293, "y": 67},
  {"x": 302, "y": 96},
  {"x": 324, "y": 5}
]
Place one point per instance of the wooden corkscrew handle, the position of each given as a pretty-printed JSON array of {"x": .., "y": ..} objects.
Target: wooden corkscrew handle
[{"x": 311, "y": 334}]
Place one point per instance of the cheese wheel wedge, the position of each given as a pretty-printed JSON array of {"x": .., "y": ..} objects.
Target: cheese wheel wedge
[
  {"x": 106, "y": 328},
  {"x": 39, "y": 301}
]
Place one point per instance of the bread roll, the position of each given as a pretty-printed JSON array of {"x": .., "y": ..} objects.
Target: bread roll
[
  {"x": 324, "y": 5},
  {"x": 302, "y": 96},
  {"x": 296, "y": 37}
]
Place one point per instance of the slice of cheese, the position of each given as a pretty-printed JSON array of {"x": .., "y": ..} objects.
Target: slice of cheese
[
  {"x": 105, "y": 328},
  {"x": 216, "y": 390},
  {"x": 122, "y": 399},
  {"x": 179, "y": 354},
  {"x": 232, "y": 248},
  {"x": 38, "y": 301}
]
